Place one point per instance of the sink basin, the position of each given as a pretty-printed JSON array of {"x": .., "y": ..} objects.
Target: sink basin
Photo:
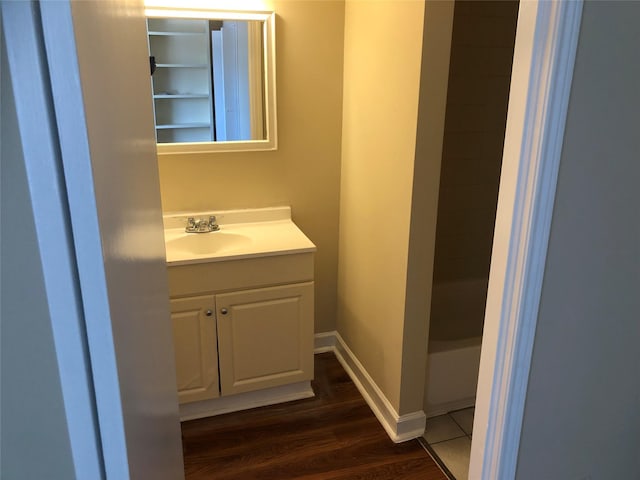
[
  {"x": 208, "y": 243},
  {"x": 243, "y": 234}
]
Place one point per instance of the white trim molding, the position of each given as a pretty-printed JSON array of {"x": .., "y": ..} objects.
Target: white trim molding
[
  {"x": 400, "y": 428},
  {"x": 325, "y": 342},
  {"x": 544, "y": 57}
]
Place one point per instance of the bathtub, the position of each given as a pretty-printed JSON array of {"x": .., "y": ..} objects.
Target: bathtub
[
  {"x": 452, "y": 375},
  {"x": 455, "y": 337}
]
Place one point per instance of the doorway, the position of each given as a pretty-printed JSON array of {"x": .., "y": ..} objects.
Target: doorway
[{"x": 481, "y": 59}]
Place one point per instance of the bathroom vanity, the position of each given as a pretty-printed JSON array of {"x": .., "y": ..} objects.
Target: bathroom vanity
[{"x": 241, "y": 309}]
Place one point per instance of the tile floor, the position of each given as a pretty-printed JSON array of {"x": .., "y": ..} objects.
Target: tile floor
[{"x": 449, "y": 438}]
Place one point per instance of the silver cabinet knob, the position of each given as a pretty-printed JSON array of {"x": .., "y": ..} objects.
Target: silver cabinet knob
[
  {"x": 224, "y": 311},
  {"x": 208, "y": 313}
]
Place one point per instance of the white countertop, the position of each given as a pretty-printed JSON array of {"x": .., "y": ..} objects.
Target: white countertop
[{"x": 242, "y": 234}]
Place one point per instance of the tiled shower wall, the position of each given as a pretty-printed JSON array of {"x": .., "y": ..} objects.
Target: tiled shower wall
[{"x": 478, "y": 92}]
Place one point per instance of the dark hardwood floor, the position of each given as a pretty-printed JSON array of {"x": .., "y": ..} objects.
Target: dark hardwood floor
[{"x": 332, "y": 436}]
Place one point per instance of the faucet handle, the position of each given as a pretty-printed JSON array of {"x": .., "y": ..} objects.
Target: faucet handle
[
  {"x": 191, "y": 225},
  {"x": 201, "y": 225}
]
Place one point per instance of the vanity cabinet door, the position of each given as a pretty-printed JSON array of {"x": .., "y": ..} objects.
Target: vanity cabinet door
[
  {"x": 195, "y": 344},
  {"x": 265, "y": 337}
]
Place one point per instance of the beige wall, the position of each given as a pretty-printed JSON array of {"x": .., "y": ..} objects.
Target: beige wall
[
  {"x": 382, "y": 63},
  {"x": 582, "y": 417},
  {"x": 305, "y": 170}
]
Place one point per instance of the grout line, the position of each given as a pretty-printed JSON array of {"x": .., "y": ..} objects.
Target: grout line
[
  {"x": 448, "y": 439},
  {"x": 428, "y": 446},
  {"x": 464, "y": 434},
  {"x": 458, "y": 424},
  {"x": 441, "y": 465}
]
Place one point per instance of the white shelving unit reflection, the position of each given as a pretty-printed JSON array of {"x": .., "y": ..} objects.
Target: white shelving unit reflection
[{"x": 182, "y": 81}]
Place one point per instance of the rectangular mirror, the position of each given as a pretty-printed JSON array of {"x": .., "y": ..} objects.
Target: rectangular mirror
[{"x": 214, "y": 80}]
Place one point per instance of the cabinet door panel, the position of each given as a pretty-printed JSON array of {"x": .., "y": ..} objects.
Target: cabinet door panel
[
  {"x": 195, "y": 343},
  {"x": 266, "y": 337}
]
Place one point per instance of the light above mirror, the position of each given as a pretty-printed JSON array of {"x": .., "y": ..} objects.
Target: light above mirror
[{"x": 214, "y": 82}]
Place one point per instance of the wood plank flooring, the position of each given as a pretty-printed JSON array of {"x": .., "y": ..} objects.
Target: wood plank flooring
[{"x": 334, "y": 436}]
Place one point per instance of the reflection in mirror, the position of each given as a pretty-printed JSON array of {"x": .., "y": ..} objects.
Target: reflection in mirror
[{"x": 213, "y": 85}]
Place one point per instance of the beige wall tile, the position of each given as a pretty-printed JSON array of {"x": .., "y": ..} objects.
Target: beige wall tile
[{"x": 481, "y": 57}]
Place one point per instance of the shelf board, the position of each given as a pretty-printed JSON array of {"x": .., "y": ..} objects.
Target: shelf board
[
  {"x": 182, "y": 95},
  {"x": 182, "y": 65},
  {"x": 156, "y": 33},
  {"x": 171, "y": 126}
]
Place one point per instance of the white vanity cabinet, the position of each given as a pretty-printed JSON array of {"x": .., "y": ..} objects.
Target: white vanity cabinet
[{"x": 248, "y": 321}]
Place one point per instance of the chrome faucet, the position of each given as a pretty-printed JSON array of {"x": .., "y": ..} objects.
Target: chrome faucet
[{"x": 201, "y": 225}]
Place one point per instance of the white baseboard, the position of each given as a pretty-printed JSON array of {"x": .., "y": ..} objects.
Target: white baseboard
[
  {"x": 399, "y": 428},
  {"x": 245, "y": 401},
  {"x": 324, "y": 342}
]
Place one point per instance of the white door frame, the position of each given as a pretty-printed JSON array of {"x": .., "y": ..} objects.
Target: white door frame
[
  {"x": 38, "y": 136},
  {"x": 544, "y": 57}
]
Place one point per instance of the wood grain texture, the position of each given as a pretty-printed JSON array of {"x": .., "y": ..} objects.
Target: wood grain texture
[{"x": 332, "y": 436}]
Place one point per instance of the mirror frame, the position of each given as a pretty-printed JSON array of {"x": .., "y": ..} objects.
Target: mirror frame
[{"x": 269, "y": 55}]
